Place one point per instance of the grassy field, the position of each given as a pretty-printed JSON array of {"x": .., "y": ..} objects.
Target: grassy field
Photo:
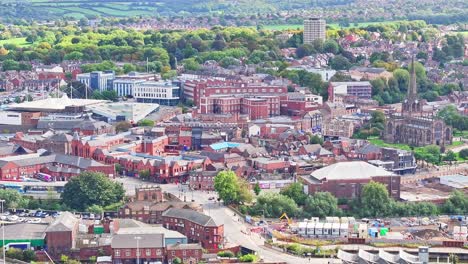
[
  {"x": 381, "y": 143},
  {"x": 17, "y": 41}
]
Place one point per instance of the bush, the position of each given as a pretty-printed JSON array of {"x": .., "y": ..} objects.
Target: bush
[
  {"x": 295, "y": 248},
  {"x": 225, "y": 254},
  {"x": 248, "y": 258}
]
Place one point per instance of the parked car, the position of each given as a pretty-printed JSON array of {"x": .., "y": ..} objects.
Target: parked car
[{"x": 12, "y": 218}]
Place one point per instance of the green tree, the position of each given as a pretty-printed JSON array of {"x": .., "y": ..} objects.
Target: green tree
[
  {"x": 245, "y": 195},
  {"x": 330, "y": 46},
  {"x": 29, "y": 256},
  {"x": 144, "y": 174},
  {"x": 463, "y": 153},
  {"x": 191, "y": 64},
  {"x": 227, "y": 186},
  {"x": 321, "y": 204},
  {"x": 450, "y": 156},
  {"x": 451, "y": 117},
  {"x": 10, "y": 65},
  {"x": 295, "y": 192},
  {"x": 12, "y": 199},
  {"x": 456, "y": 204},
  {"x": 315, "y": 139},
  {"x": 95, "y": 209},
  {"x": 375, "y": 201},
  {"x": 129, "y": 68},
  {"x": 92, "y": 259},
  {"x": 91, "y": 188},
  {"x": 122, "y": 126},
  {"x": 339, "y": 63},
  {"x": 146, "y": 122},
  {"x": 118, "y": 168},
  {"x": 430, "y": 154},
  {"x": 64, "y": 258},
  {"x": 274, "y": 205},
  {"x": 257, "y": 189},
  {"x": 14, "y": 253},
  {"x": 176, "y": 260}
]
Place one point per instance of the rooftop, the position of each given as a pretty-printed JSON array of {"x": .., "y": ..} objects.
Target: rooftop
[
  {"x": 65, "y": 222},
  {"x": 144, "y": 241},
  {"x": 25, "y": 231},
  {"x": 132, "y": 111},
  {"x": 350, "y": 170},
  {"x": 190, "y": 215},
  {"x": 54, "y": 104}
]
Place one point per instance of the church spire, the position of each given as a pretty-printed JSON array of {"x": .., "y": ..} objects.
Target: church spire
[{"x": 412, "y": 89}]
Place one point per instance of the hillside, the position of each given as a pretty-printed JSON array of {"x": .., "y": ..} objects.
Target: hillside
[
  {"x": 272, "y": 11},
  {"x": 128, "y": 8}
]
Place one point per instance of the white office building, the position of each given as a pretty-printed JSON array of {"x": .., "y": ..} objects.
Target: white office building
[
  {"x": 163, "y": 93},
  {"x": 124, "y": 84},
  {"x": 314, "y": 28},
  {"x": 97, "y": 80},
  {"x": 124, "y": 87}
]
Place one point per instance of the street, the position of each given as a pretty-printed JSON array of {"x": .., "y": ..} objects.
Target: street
[{"x": 234, "y": 228}]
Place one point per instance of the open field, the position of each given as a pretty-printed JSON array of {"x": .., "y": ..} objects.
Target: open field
[
  {"x": 381, "y": 143},
  {"x": 16, "y": 41}
]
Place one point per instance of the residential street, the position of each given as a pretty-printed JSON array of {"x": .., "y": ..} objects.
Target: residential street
[{"x": 234, "y": 230}]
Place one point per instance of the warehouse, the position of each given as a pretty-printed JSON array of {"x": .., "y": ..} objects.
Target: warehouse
[{"x": 25, "y": 235}]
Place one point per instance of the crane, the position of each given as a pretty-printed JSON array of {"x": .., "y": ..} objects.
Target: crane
[{"x": 284, "y": 215}]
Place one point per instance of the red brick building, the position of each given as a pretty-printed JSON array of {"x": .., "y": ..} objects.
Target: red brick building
[
  {"x": 61, "y": 167},
  {"x": 198, "y": 89},
  {"x": 257, "y": 107},
  {"x": 61, "y": 234},
  {"x": 270, "y": 165},
  {"x": 202, "y": 180},
  {"x": 147, "y": 247},
  {"x": 188, "y": 253},
  {"x": 150, "y": 248},
  {"x": 346, "y": 179},
  {"x": 196, "y": 226}
]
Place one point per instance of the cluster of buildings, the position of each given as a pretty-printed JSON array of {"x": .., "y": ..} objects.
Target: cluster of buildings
[{"x": 144, "y": 87}]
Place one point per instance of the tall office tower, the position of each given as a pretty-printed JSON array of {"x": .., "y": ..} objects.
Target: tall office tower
[{"x": 314, "y": 28}]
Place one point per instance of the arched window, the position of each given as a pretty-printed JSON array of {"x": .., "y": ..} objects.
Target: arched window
[
  {"x": 429, "y": 136},
  {"x": 448, "y": 134},
  {"x": 389, "y": 128}
]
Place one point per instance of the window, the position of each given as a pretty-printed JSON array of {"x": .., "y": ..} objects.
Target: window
[
  {"x": 148, "y": 252},
  {"x": 117, "y": 253},
  {"x": 184, "y": 253},
  {"x": 173, "y": 253},
  {"x": 158, "y": 252},
  {"x": 127, "y": 253}
]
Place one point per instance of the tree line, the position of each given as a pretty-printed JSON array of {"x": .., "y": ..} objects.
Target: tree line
[{"x": 374, "y": 201}]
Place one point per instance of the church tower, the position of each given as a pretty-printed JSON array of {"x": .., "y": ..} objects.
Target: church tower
[{"x": 412, "y": 105}]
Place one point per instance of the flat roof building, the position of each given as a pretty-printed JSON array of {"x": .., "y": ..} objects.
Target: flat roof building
[{"x": 314, "y": 28}]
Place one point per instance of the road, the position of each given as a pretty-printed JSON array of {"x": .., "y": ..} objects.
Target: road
[{"x": 234, "y": 228}]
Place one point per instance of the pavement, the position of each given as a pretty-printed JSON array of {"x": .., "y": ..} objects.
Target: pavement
[{"x": 235, "y": 230}]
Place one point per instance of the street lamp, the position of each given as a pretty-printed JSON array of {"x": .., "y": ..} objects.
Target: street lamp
[
  {"x": 137, "y": 238},
  {"x": 3, "y": 232}
]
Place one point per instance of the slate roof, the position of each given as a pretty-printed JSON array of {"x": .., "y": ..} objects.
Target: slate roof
[
  {"x": 369, "y": 148},
  {"x": 145, "y": 241},
  {"x": 190, "y": 215},
  {"x": 179, "y": 246},
  {"x": 9, "y": 149},
  {"x": 75, "y": 161},
  {"x": 65, "y": 222},
  {"x": 25, "y": 231}
]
